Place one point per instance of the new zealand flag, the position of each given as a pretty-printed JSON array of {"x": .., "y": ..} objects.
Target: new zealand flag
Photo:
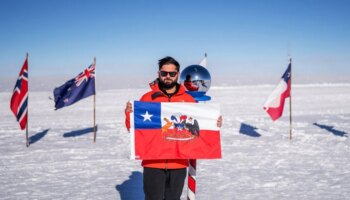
[{"x": 76, "y": 89}]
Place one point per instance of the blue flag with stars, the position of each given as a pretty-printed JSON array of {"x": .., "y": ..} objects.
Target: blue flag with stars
[{"x": 76, "y": 89}]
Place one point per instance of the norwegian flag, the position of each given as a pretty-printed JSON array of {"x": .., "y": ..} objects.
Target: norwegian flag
[
  {"x": 275, "y": 102},
  {"x": 76, "y": 89},
  {"x": 19, "y": 99}
]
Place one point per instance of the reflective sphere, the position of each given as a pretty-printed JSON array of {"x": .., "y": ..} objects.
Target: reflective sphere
[{"x": 196, "y": 80}]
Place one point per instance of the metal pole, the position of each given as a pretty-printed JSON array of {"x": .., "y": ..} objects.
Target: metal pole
[
  {"x": 95, "y": 103},
  {"x": 191, "y": 193},
  {"x": 290, "y": 101},
  {"x": 94, "y": 118},
  {"x": 27, "y": 138}
]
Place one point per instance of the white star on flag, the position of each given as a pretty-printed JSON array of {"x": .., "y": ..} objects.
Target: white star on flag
[{"x": 147, "y": 116}]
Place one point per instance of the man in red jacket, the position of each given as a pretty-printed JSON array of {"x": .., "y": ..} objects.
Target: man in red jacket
[{"x": 164, "y": 179}]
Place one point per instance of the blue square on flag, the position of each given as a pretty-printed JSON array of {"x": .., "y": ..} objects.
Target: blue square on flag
[{"x": 147, "y": 115}]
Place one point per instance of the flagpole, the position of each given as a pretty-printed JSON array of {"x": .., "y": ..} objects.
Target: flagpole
[
  {"x": 95, "y": 104},
  {"x": 27, "y": 138},
  {"x": 191, "y": 179},
  {"x": 290, "y": 101},
  {"x": 94, "y": 118}
]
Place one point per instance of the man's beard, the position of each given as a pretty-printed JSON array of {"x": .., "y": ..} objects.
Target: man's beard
[{"x": 167, "y": 85}]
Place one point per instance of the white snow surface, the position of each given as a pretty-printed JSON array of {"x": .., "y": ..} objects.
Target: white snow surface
[{"x": 259, "y": 160}]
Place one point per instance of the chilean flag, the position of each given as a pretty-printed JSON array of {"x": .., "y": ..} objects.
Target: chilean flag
[
  {"x": 174, "y": 131},
  {"x": 19, "y": 99},
  {"x": 275, "y": 102}
]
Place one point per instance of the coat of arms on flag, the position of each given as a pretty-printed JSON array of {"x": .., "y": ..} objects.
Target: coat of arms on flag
[
  {"x": 19, "y": 99},
  {"x": 175, "y": 131}
]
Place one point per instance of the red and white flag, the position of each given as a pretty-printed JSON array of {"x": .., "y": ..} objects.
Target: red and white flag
[
  {"x": 275, "y": 102},
  {"x": 175, "y": 131},
  {"x": 19, "y": 100}
]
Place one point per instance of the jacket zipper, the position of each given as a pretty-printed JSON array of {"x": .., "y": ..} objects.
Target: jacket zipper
[{"x": 166, "y": 161}]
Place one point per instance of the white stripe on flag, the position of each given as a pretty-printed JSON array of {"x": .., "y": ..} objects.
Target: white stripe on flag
[
  {"x": 274, "y": 100},
  {"x": 24, "y": 77},
  {"x": 23, "y": 100},
  {"x": 132, "y": 135},
  {"x": 206, "y": 114},
  {"x": 23, "y": 115}
]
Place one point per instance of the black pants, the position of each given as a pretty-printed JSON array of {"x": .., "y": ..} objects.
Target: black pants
[{"x": 160, "y": 184}]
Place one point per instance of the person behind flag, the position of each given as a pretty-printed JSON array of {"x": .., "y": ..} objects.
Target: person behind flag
[
  {"x": 164, "y": 179},
  {"x": 190, "y": 86}
]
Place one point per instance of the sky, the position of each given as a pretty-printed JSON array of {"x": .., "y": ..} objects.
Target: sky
[{"x": 128, "y": 37}]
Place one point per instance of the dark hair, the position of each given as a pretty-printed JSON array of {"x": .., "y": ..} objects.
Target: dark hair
[{"x": 168, "y": 60}]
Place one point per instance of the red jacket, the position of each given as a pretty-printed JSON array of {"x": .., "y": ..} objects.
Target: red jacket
[
  {"x": 156, "y": 95},
  {"x": 190, "y": 86}
]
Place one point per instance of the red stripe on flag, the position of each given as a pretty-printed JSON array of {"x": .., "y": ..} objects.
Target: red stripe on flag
[
  {"x": 277, "y": 112},
  {"x": 151, "y": 144},
  {"x": 23, "y": 122}
]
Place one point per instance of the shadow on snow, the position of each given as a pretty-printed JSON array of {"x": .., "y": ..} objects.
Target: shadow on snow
[
  {"x": 249, "y": 130},
  {"x": 332, "y": 130},
  {"x": 80, "y": 132},
  {"x": 38, "y": 136},
  {"x": 131, "y": 189}
]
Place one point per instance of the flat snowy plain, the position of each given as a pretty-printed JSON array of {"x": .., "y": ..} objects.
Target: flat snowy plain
[{"x": 259, "y": 160}]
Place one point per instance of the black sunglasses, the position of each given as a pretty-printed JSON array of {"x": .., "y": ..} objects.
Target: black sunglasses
[{"x": 164, "y": 73}]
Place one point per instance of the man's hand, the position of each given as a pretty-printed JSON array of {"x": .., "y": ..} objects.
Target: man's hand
[
  {"x": 219, "y": 122},
  {"x": 128, "y": 108}
]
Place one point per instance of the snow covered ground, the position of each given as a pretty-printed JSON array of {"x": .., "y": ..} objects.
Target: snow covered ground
[{"x": 259, "y": 160}]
